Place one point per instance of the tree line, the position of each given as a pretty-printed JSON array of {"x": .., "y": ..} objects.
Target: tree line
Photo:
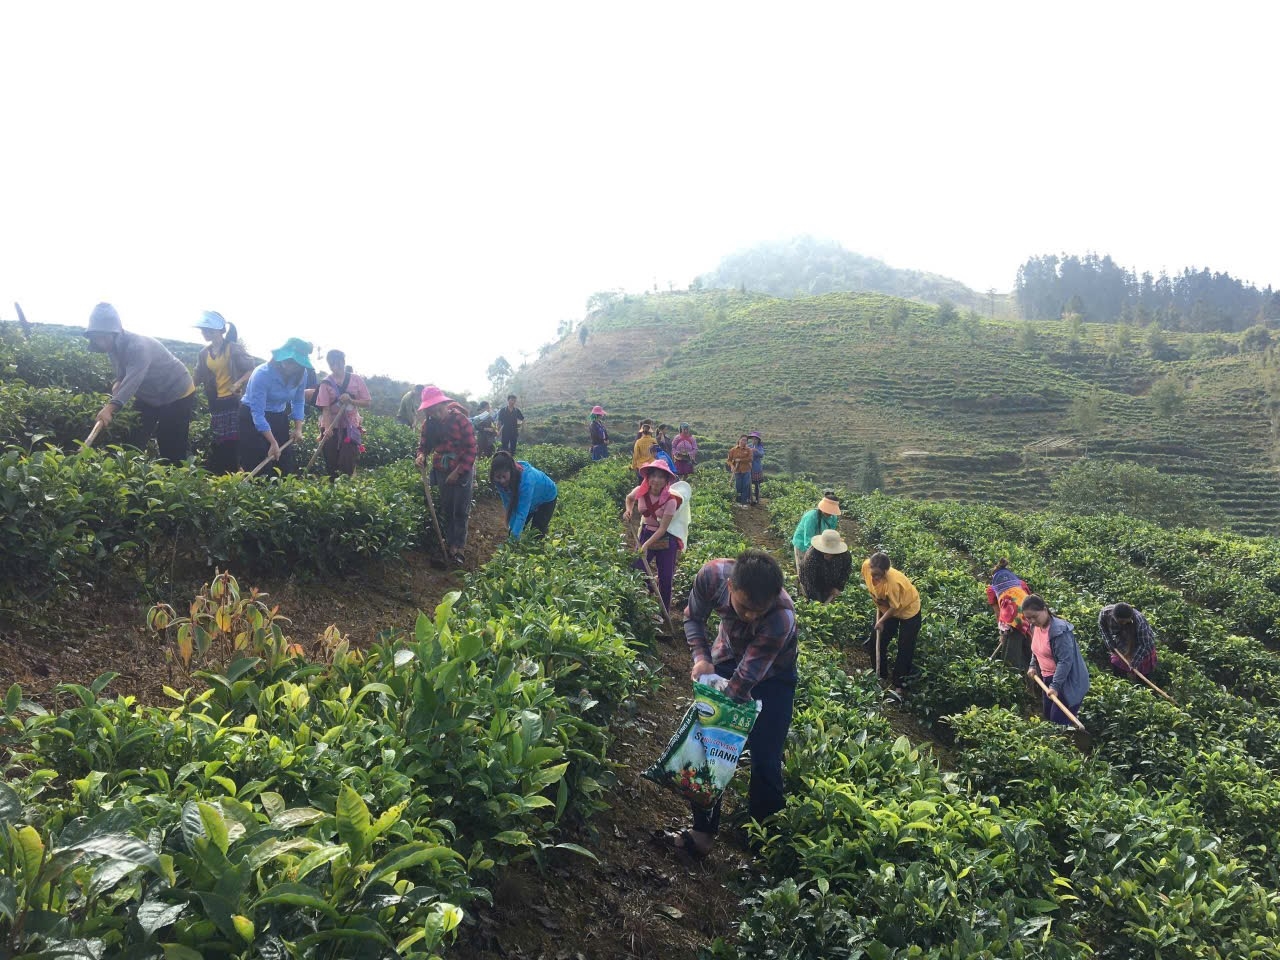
[{"x": 1099, "y": 289}]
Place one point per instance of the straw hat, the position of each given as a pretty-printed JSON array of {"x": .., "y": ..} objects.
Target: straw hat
[
  {"x": 828, "y": 506},
  {"x": 829, "y": 541}
]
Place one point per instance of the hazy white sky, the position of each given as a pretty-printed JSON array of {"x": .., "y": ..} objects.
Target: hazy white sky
[{"x": 430, "y": 185}]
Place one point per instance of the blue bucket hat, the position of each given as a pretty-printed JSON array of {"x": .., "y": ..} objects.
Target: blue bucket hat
[{"x": 299, "y": 351}]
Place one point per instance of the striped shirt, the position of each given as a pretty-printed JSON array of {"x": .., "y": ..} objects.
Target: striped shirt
[{"x": 764, "y": 648}]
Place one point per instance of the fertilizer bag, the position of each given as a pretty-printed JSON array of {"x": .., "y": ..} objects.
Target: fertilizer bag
[{"x": 700, "y": 759}]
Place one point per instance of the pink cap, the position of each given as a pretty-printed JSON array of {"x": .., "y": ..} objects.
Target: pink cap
[{"x": 431, "y": 395}]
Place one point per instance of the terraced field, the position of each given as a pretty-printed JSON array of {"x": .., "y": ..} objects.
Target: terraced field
[{"x": 950, "y": 410}]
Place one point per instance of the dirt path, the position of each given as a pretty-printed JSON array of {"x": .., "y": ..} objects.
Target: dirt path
[
  {"x": 109, "y": 632},
  {"x": 641, "y": 899}
]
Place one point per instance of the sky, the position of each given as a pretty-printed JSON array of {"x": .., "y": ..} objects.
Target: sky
[{"x": 429, "y": 186}]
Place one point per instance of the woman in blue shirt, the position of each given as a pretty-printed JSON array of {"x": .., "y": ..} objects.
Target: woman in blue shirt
[
  {"x": 528, "y": 494},
  {"x": 274, "y": 394}
]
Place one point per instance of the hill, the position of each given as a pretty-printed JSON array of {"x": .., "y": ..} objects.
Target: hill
[
  {"x": 806, "y": 266},
  {"x": 964, "y": 407}
]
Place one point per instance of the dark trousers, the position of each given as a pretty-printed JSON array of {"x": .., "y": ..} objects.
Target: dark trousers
[
  {"x": 1050, "y": 710},
  {"x": 253, "y": 446},
  {"x": 455, "y": 507},
  {"x": 599, "y": 451},
  {"x": 906, "y": 631},
  {"x": 766, "y": 794},
  {"x": 509, "y": 443},
  {"x": 340, "y": 457},
  {"x": 540, "y": 517},
  {"x": 170, "y": 424},
  {"x": 742, "y": 487}
]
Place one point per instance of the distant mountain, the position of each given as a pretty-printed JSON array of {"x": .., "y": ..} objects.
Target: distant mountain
[{"x": 806, "y": 266}]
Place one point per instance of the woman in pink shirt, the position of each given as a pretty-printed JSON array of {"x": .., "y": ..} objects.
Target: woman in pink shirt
[
  {"x": 658, "y": 506},
  {"x": 340, "y": 397}
]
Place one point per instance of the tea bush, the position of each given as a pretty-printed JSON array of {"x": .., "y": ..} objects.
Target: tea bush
[{"x": 349, "y": 806}]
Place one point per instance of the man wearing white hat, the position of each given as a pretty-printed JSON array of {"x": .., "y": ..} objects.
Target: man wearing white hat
[{"x": 155, "y": 380}]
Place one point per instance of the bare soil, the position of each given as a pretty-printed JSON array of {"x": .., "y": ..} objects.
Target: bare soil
[{"x": 108, "y": 631}]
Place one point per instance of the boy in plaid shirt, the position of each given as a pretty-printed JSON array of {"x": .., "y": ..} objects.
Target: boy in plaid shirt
[{"x": 754, "y": 655}]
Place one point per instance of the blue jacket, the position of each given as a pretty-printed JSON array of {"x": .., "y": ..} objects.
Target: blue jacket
[
  {"x": 1071, "y": 678},
  {"x": 536, "y": 488},
  {"x": 267, "y": 392}
]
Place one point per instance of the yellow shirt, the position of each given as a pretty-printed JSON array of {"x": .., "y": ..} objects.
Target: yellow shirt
[
  {"x": 220, "y": 367},
  {"x": 896, "y": 593},
  {"x": 642, "y": 452}
]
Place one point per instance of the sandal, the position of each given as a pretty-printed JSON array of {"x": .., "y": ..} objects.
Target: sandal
[{"x": 686, "y": 844}]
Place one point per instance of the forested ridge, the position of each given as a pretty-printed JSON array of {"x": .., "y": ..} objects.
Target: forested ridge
[{"x": 1099, "y": 289}]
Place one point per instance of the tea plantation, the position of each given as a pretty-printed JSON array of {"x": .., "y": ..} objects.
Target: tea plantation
[
  {"x": 322, "y": 797},
  {"x": 952, "y": 409}
]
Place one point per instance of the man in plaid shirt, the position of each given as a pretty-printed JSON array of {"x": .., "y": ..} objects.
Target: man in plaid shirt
[
  {"x": 447, "y": 435},
  {"x": 1125, "y": 630},
  {"x": 754, "y": 658}
]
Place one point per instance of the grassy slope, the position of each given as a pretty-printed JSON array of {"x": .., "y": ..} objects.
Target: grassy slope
[{"x": 949, "y": 417}]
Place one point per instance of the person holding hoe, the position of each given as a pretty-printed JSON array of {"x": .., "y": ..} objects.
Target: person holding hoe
[
  {"x": 527, "y": 493},
  {"x": 598, "y": 434},
  {"x": 825, "y": 516},
  {"x": 274, "y": 394},
  {"x": 1056, "y": 660},
  {"x": 450, "y": 440},
  {"x": 155, "y": 380},
  {"x": 222, "y": 370},
  {"x": 664, "y": 507},
  {"x": 340, "y": 397},
  {"x": 1005, "y": 593},
  {"x": 755, "y": 655},
  {"x": 897, "y": 614},
  {"x": 1128, "y": 636}
]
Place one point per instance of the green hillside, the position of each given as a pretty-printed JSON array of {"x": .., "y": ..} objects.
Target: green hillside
[{"x": 971, "y": 408}]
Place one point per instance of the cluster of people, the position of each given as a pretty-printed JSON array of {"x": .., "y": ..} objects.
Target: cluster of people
[
  {"x": 256, "y": 410},
  {"x": 1034, "y": 639}
]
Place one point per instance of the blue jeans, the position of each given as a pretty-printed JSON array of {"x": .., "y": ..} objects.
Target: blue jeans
[
  {"x": 742, "y": 487},
  {"x": 765, "y": 792}
]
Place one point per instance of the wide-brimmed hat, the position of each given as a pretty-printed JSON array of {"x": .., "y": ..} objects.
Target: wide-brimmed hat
[
  {"x": 756, "y": 435},
  {"x": 828, "y": 506},
  {"x": 829, "y": 541},
  {"x": 295, "y": 349},
  {"x": 658, "y": 465},
  {"x": 432, "y": 395},
  {"x": 104, "y": 319},
  {"x": 598, "y": 411},
  {"x": 211, "y": 320}
]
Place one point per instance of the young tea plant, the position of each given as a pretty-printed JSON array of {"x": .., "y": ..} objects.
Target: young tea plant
[{"x": 222, "y": 623}]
